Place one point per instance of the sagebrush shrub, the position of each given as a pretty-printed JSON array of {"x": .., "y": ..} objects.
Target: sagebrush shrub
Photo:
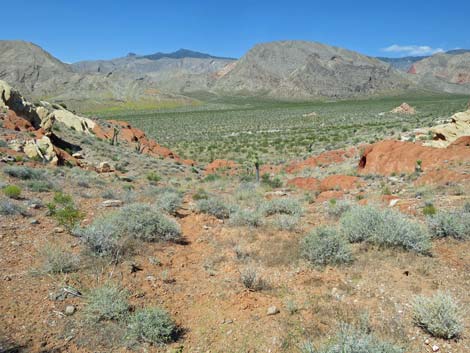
[
  {"x": 24, "y": 173},
  {"x": 152, "y": 325},
  {"x": 282, "y": 206},
  {"x": 286, "y": 222},
  {"x": 12, "y": 191},
  {"x": 40, "y": 185},
  {"x": 384, "y": 227},
  {"x": 350, "y": 340},
  {"x": 108, "y": 302},
  {"x": 8, "y": 208},
  {"x": 252, "y": 280},
  {"x": 215, "y": 207},
  {"x": 246, "y": 217},
  {"x": 108, "y": 234},
  {"x": 170, "y": 201},
  {"x": 58, "y": 260},
  {"x": 439, "y": 315},
  {"x": 338, "y": 208},
  {"x": 454, "y": 224},
  {"x": 326, "y": 246}
]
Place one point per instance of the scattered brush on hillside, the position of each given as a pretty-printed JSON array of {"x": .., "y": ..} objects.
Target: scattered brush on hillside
[
  {"x": 246, "y": 217},
  {"x": 9, "y": 208},
  {"x": 384, "y": 227},
  {"x": 58, "y": 260},
  {"x": 439, "y": 315},
  {"x": 215, "y": 206},
  {"x": 286, "y": 206},
  {"x": 108, "y": 302},
  {"x": 109, "y": 234},
  {"x": 24, "y": 173},
  {"x": 170, "y": 201},
  {"x": 351, "y": 340},
  {"x": 454, "y": 224},
  {"x": 326, "y": 246},
  {"x": 153, "y": 325}
]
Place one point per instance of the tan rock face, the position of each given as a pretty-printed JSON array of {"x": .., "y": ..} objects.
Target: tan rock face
[{"x": 446, "y": 134}]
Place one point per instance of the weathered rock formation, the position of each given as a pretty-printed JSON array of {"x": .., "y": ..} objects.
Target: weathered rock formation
[{"x": 404, "y": 108}]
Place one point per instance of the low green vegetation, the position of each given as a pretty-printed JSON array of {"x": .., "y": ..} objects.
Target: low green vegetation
[
  {"x": 153, "y": 325},
  {"x": 453, "y": 224},
  {"x": 24, "y": 173},
  {"x": 12, "y": 191},
  {"x": 214, "y": 206},
  {"x": 63, "y": 209},
  {"x": 58, "y": 260},
  {"x": 108, "y": 302}
]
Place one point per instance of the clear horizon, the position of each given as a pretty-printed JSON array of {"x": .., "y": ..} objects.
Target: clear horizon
[{"x": 111, "y": 29}]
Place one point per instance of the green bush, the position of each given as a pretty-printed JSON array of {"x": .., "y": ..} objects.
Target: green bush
[
  {"x": 200, "y": 194},
  {"x": 337, "y": 208},
  {"x": 454, "y": 224},
  {"x": 153, "y": 177},
  {"x": 350, "y": 340},
  {"x": 108, "y": 302},
  {"x": 215, "y": 207},
  {"x": 152, "y": 325},
  {"x": 439, "y": 315},
  {"x": 108, "y": 235},
  {"x": 282, "y": 206},
  {"x": 429, "y": 209},
  {"x": 12, "y": 191},
  {"x": 246, "y": 217},
  {"x": 384, "y": 227},
  {"x": 58, "y": 260},
  {"x": 24, "y": 173},
  {"x": 64, "y": 211},
  {"x": 326, "y": 246}
]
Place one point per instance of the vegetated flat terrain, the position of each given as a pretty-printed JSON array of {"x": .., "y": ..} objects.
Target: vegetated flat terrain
[{"x": 278, "y": 131}]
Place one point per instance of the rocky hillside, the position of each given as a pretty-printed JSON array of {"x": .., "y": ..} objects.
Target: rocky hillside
[
  {"x": 444, "y": 72},
  {"x": 39, "y": 75},
  {"x": 302, "y": 70}
]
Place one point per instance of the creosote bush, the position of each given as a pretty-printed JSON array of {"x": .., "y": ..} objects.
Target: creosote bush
[
  {"x": 108, "y": 235},
  {"x": 282, "y": 206},
  {"x": 153, "y": 325},
  {"x": 326, "y": 246},
  {"x": 215, "y": 207},
  {"x": 384, "y": 227},
  {"x": 351, "y": 340},
  {"x": 454, "y": 224},
  {"x": 439, "y": 315},
  {"x": 12, "y": 191},
  {"x": 108, "y": 302}
]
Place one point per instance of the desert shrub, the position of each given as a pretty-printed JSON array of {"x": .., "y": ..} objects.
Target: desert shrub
[
  {"x": 153, "y": 177},
  {"x": 24, "y": 173},
  {"x": 58, "y": 260},
  {"x": 439, "y": 315},
  {"x": 282, "y": 206},
  {"x": 454, "y": 224},
  {"x": 351, "y": 340},
  {"x": 466, "y": 207},
  {"x": 252, "y": 280},
  {"x": 84, "y": 178},
  {"x": 12, "y": 191},
  {"x": 246, "y": 217},
  {"x": 286, "y": 222},
  {"x": 109, "y": 234},
  {"x": 40, "y": 185},
  {"x": 109, "y": 195},
  {"x": 429, "y": 209},
  {"x": 326, "y": 246},
  {"x": 337, "y": 208},
  {"x": 384, "y": 227},
  {"x": 200, "y": 194},
  {"x": 63, "y": 209},
  {"x": 215, "y": 207},
  {"x": 8, "y": 208},
  {"x": 152, "y": 325},
  {"x": 170, "y": 201},
  {"x": 108, "y": 302},
  {"x": 272, "y": 182}
]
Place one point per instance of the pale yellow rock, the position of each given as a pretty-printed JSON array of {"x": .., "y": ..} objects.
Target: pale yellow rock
[
  {"x": 5, "y": 91},
  {"x": 40, "y": 148},
  {"x": 73, "y": 121},
  {"x": 445, "y": 134}
]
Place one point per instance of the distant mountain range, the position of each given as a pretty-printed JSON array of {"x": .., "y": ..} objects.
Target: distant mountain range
[{"x": 288, "y": 70}]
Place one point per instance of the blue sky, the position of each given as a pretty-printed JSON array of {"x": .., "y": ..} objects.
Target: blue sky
[{"x": 78, "y": 30}]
